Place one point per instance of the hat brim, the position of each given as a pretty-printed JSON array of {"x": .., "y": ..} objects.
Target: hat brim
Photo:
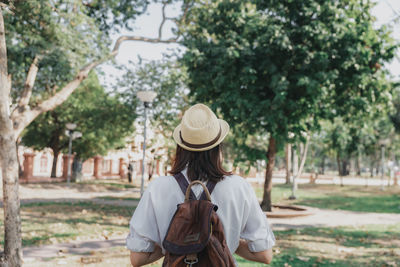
[{"x": 224, "y": 131}]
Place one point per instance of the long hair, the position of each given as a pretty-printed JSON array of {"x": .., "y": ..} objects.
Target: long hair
[{"x": 203, "y": 165}]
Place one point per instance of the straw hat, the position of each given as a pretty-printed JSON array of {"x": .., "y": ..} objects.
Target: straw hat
[{"x": 200, "y": 129}]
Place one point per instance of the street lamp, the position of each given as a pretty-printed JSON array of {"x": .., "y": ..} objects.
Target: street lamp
[
  {"x": 72, "y": 135},
  {"x": 146, "y": 97}
]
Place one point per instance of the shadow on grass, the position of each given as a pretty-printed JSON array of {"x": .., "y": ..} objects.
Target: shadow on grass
[
  {"x": 36, "y": 240},
  {"x": 44, "y": 238},
  {"x": 295, "y": 257},
  {"x": 118, "y": 198},
  {"x": 380, "y": 204},
  {"x": 60, "y": 207},
  {"x": 84, "y": 186},
  {"x": 369, "y": 237}
]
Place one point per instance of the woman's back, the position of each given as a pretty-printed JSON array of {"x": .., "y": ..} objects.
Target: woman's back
[
  {"x": 199, "y": 155},
  {"x": 238, "y": 209}
]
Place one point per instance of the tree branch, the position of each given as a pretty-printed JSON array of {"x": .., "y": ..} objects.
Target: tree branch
[
  {"x": 5, "y": 83},
  {"x": 23, "y": 118},
  {"x": 29, "y": 82},
  {"x": 163, "y": 20},
  {"x": 393, "y": 9}
]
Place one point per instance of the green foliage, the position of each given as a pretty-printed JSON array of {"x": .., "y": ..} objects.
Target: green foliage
[
  {"x": 168, "y": 80},
  {"x": 64, "y": 34},
  {"x": 104, "y": 120},
  {"x": 280, "y": 66},
  {"x": 115, "y": 14}
]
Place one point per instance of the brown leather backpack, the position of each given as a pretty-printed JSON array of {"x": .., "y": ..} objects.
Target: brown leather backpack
[{"x": 195, "y": 236}]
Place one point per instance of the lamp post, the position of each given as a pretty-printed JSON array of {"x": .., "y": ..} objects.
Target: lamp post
[
  {"x": 72, "y": 135},
  {"x": 146, "y": 97}
]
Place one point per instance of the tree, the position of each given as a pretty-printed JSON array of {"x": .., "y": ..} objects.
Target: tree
[
  {"x": 103, "y": 119},
  {"x": 169, "y": 80},
  {"x": 279, "y": 66},
  {"x": 67, "y": 30}
]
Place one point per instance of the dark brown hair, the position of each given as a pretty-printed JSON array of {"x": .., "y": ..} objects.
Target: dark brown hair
[{"x": 203, "y": 165}]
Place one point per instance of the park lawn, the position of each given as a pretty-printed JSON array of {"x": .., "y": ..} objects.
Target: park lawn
[
  {"x": 369, "y": 246},
  {"x": 47, "y": 223},
  {"x": 119, "y": 198},
  {"x": 353, "y": 198},
  {"x": 116, "y": 184},
  {"x": 104, "y": 185}
]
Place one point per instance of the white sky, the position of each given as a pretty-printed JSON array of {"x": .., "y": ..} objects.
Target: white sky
[{"x": 147, "y": 25}]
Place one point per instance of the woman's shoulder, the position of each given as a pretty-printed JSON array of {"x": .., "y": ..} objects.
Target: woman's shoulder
[
  {"x": 236, "y": 179},
  {"x": 235, "y": 182},
  {"x": 161, "y": 181}
]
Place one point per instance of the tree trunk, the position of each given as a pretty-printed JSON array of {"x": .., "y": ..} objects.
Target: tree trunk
[
  {"x": 323, "y": 165},
  {"x": 295, "y": 166},
  {"x": 358, "y": 163},
  {"x": 12, "y": 219},
  {"x": 345, "y": 167},
  {"x": 9, "y": 166},
  {"x": 54, "y": 166},
  {"x": 340, "y": 170},
  {"x": 371, "y": 166},
  {"x": 266, "y": 204},
  {"x": 288, "y": 157},
  {"x": 20, "y": 171},
  {"x": 303, "y": 153},
  {"x": 151, "y": 169}
]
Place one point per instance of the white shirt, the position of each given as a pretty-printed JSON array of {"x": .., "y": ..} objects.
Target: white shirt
[{"x": 238, "y": 210}]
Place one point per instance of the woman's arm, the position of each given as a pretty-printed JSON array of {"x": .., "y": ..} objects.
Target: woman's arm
[
  {"x": 262, "y": 256},
  {"x": 143, "y": 258}
]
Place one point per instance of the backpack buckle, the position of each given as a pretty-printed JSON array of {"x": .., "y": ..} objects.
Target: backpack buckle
[{"x": 191, "y": 259}]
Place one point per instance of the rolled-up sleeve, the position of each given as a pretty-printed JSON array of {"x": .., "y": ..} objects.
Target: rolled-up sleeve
[
  {"x": 257, "y": 230},
  {"x": 143, "y": 228}
]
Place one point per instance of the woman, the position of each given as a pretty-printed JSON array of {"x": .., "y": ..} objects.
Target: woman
[{"x": 198, "y": 157}]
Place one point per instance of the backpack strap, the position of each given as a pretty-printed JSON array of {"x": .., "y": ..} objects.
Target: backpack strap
[
  {"x": 183, "y": 184},
  {"x": 210, "y": 187}
]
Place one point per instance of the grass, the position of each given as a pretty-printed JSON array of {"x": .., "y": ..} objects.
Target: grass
[
  {"x": 119, "y": 198},
  {"x": 367, "y": 246},
  {"x": 48, "y": 223},
  {"x": 353, "y": 198},
  {"x": 112, "y": 184}
]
